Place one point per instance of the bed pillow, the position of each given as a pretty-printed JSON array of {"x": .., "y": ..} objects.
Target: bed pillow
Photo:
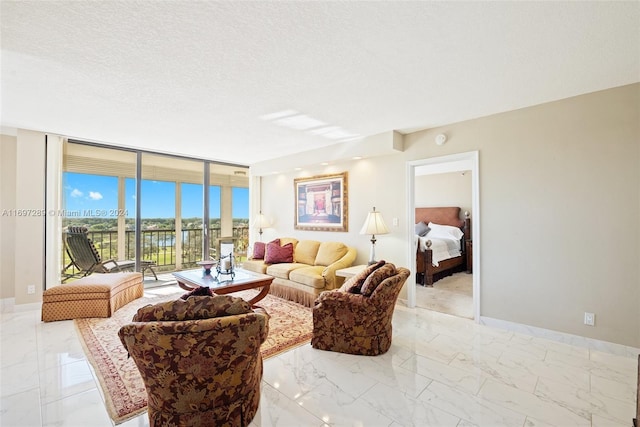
[
  {"x": 276, "y": 254},
  {"x": 422, "y": 229},
  {"x": 445, "y": 231}
]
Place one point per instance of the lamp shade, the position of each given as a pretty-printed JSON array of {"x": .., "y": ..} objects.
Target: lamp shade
[
  {"x": 261, "y": 221},
  {"x": 374, "y": 224}
]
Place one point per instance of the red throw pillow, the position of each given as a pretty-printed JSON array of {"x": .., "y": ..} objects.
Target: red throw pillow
[
  {"x": 275, "y": 254},
  {"x": 258, "y": 250}
]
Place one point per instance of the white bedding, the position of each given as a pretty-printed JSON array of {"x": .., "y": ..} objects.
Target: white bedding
[{"x": 442, "y": 248}]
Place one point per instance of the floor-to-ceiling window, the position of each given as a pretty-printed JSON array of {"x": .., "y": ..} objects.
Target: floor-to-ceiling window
[
  {"x": 93, "y": 183},
  {"x": 105, "y": 187}
]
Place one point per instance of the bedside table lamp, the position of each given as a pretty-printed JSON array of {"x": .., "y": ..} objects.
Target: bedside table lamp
[{"x": 374, "y": 224}]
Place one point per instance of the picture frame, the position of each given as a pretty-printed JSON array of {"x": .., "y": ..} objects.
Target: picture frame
[{"x": 321, "y": 203}]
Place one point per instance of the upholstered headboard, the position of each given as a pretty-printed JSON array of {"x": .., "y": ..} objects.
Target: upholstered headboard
[{"x": 443, "y": 216}]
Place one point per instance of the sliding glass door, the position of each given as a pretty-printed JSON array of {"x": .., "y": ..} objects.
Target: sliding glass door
[
  {"x": 105, "y": 187},
  {"x": 93, "y": 197}
]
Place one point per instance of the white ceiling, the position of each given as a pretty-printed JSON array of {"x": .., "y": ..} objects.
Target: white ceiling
[{"x": 195, "y": 78}]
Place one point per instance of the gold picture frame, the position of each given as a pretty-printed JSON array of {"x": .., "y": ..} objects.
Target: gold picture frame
[{"x": 321, "y": 203}]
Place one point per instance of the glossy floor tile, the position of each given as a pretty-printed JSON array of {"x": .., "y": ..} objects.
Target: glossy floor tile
[{"x": 441, "y": 370}]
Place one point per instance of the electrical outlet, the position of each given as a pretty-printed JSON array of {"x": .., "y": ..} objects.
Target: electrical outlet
[
  {"x": 396, "y": 222},
  {"x": 589, "y": 319},
  {"x": 31, "y": 289}
]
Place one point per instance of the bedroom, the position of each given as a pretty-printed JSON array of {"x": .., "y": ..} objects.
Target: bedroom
[{"x": 447, "y": 184}]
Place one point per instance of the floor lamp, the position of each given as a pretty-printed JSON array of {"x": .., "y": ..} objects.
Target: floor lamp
[{"x": 261, "y": 222}]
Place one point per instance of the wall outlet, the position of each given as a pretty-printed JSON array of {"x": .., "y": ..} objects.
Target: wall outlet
[
  {"x": 589, "y": 319},
  {"x": 31, "y": 289},
  {"x": 396, "y": 222}
]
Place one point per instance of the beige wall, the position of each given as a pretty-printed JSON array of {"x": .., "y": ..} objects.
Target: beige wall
[
  {"x": 366, "y": 188},
  {"x": 444, "y": 189},
  {"x": 7, "y": 221},
  {"x": 559, "y": 202},
  {"x": 23, "y": 189}
]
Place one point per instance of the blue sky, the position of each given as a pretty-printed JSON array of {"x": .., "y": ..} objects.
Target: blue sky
[{"x": 92, "y": 195}]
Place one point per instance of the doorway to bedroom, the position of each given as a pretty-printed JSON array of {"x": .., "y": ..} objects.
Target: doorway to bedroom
[{"x": 440, "y": 182}]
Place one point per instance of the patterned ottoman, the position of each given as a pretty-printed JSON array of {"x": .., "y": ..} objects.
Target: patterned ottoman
[{"x": 97, "y": 295}]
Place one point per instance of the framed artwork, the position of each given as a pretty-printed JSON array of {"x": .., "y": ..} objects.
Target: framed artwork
[{"x": 321, "y": 203}]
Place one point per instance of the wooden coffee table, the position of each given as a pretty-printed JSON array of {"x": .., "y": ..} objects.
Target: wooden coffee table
[{"x": 224, "y": 284}]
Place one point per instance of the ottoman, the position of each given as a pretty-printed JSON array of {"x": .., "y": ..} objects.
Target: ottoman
[{"x": 97, "y": 295}]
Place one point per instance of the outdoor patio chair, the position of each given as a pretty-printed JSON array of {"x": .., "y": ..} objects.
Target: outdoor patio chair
[{"x": 86, "y": 259}]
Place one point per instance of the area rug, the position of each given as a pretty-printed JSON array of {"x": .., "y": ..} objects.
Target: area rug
[{"x": 290, "y": 325}]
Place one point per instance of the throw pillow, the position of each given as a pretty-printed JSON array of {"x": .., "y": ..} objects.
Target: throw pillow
[
  {"x": 376, "y": 278},
  {"x": 353, "y": 285},
  {"x": 421, "y": 229},
  {"x": 276, "y": 254},
  {"x": 285, "y": 240},
  {"x": 306, "y": 252},
  {"x": 200, "y": 291},
  {"x": 330, "y": 252},
  {"x": 258, "y": 250}
]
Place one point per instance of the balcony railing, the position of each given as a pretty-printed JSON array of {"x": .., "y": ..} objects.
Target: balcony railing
[{"x": 160, "y": 245}]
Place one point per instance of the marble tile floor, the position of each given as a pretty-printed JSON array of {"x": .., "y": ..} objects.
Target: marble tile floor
[
  {"x": 441, "y": 370},
  {"x": 450, "y": 295}
]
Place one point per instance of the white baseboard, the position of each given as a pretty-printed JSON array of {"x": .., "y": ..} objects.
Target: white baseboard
[
  {"x": 8, "y": 305},
  {"x": 577, "y": 340}
]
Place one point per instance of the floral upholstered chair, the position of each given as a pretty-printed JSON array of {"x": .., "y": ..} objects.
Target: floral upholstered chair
[
  {"x": 200, "y": 359},
  {"x": 356, "y": 318}
]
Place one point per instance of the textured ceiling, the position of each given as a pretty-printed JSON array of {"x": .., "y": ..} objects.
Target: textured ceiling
[{"x": 195, "y": 78}]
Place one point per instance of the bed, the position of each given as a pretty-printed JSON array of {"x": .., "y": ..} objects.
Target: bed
[{"x": 441, "y": 252}]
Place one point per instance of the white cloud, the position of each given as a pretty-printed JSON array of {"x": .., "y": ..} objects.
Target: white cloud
[
  {"x": 76, "y": 193},
  {"x": 94, "y": 195}
]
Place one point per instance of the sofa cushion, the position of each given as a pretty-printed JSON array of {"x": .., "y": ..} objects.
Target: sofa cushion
[
  {"x": 330, "y": 252},
  {"x": 255, "y": 265},
  {"x": 306, "y": 252},
  {"x": 309, "y": 276},
  {"x": 283, "y": 270},
  {"x": 258, "y": 250},
  {"x": 275, "y": 253},
  {"x": 353, "y": 285},
  {"x": 197, "y": 307},
  {"x": 285, "y": 240},
  {"x": 375, "y": 278}
]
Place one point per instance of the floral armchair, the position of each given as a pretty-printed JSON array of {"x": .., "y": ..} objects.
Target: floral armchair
[
  {"x": 200, "y": 359},
  {"x": 356, "y": 318}
]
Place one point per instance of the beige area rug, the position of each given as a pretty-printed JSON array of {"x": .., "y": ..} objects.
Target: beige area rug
[
  {"x": 451, "y": 295},
  {"x": 290, "y": 325}
]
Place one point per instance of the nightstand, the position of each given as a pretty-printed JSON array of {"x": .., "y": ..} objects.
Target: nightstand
[
  {"x": 469, "y": 250},
  {"x": 350, "y": 271}
]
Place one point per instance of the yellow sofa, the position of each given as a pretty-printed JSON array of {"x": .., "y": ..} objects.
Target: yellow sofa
[{"x": 312, "y": 271}]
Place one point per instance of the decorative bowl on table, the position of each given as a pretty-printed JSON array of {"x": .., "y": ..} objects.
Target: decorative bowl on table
[{"x": 206, "y": 265}]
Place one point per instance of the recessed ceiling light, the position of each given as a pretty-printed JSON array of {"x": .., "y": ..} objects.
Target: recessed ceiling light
[
  {"x": 298, "y": 169},
  {"x": 357, "y": 157},
  {"x": 325, "y": 163}
]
